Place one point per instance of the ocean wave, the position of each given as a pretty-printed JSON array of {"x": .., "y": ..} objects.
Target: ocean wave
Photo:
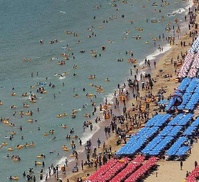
[
  {"x": 88, "y": 135},
  {"x": 156, "y": 53}
]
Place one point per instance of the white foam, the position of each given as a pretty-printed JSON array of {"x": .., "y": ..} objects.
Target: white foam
[
  {"x": 109, "y": 98},
  {"x": 62, "y": 77},
  {"x": 157, "y": 53},
  {"x": 179, "y": 11},
  {"x": 88, "y": 135}
]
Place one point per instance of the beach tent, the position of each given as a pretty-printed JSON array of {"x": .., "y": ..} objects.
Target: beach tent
[{"x": 195, "y": 46}]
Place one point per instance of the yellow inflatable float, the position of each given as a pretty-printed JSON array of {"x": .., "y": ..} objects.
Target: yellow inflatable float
[
  {"x": 10, "y": 149},
  {"x": 21, "y": 113},
  {"x": 90, "y": 95},
  {"x": 86, "y": 115},
  {"x": 13, "y": 107},
  {"x": 30, "y": 120},
  {"x": 99, "y": 90},
  {"x": 28, "y": 113},
  {"x": 45, "y": 134},
  {"x": 25, "y": 106},
  {"x": 75, "y": 111},
  {"x": 131, "y": 60},
  {"x": 63, "y": 126},
  {"x": 59, "y": 115},
  {"x": 12, "y": 133},
  {"x": 73, "y": 115},
  {"x": 38, "y": 163},
  {"x": 40, "y": 156},
  {"x": 65, "y": 148},
  {"x": 4, "y": 144},
  {"x": 5, "y": 121},
  {"x": 14, "y": 178},
  {"x": 15, "y": 159},
  {"x": 19, "y": 147},
  {"x": 24, "y": 95},
  {"x": 64, "y": 114},
  {"x": 13, "y": 94}
]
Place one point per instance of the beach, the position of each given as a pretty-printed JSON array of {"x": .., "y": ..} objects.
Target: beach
[
  {"x": 70, "y": 81},
  {"x": 165, "y": 64}
]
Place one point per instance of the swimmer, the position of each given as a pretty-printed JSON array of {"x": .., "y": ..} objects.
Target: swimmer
[
  {"x": 53, "y": 138},
  {"x": 107, "y": 80},
  {"x": 52, "y": 151}
]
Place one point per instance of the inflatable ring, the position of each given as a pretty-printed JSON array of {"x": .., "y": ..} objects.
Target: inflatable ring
[
  {"x": 15, "y": 159},
  {"x": 13, "y": 94},
  {"x": 64, "y": 114},
  {"x": 44, "y": 92},
  {"x": 20, "y": 147},
  {"x": 90, "y": 95},
  {"x": 28, "y": 114},
  {"x": 24, "y": 95},
  {"x": 51, "y": 131},
  {"x": 45, "y": 134},
  {"x": 38, "y": 163},
  {"x": 12, "y": 133},
  {"x": 40, "y": 156},
  {"x": 10, "y": 149},
  {"x": 63, "y": 126},
  {"x": 59, "y": 115},
  {"x": 25, "y": 106},
  {"x": 65, "y": 149},
  {"x": 4, "y": 144},
  {"x": 13, "y": 107},
  {"x": 30, "y": 120},
  {"x": 14, "y": 178},
  {"x": 75, "y": 111},
  {"x": 86, "y": 115},
  {"x": 5, "y": 121},
  {"x": 100, "y": 90}
]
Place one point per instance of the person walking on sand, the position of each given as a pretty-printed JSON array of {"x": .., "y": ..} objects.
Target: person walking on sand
[
  {"x": 195, "y": 164},
  {"x": 82, "y": 164},
  {"x": 98, "y": 142},
  {"x": 181, "y": 165}
]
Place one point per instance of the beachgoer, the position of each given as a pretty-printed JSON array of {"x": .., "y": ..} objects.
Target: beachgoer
[{"x": 181, "y": 164}]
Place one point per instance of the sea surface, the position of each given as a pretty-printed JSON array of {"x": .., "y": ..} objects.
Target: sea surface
[{"x": 34, "y": 36}]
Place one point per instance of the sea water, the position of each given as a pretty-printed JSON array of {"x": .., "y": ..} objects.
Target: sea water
[{"x": 77, "y": 26}]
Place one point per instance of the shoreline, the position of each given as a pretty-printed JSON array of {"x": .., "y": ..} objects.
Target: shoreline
[{"x": 104, "y": 123}]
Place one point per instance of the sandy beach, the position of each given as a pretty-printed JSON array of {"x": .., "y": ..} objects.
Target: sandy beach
[{"x": 167, "y": 170}]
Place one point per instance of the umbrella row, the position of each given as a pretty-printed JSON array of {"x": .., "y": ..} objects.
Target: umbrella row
[
  {"x": 142, "y": 170},
  {"x": 123, "y": 169},
  {"x": 192, "y": 177}
]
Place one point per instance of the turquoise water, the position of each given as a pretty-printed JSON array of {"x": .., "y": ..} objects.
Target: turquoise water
[{"x": 24, "y": 23}]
